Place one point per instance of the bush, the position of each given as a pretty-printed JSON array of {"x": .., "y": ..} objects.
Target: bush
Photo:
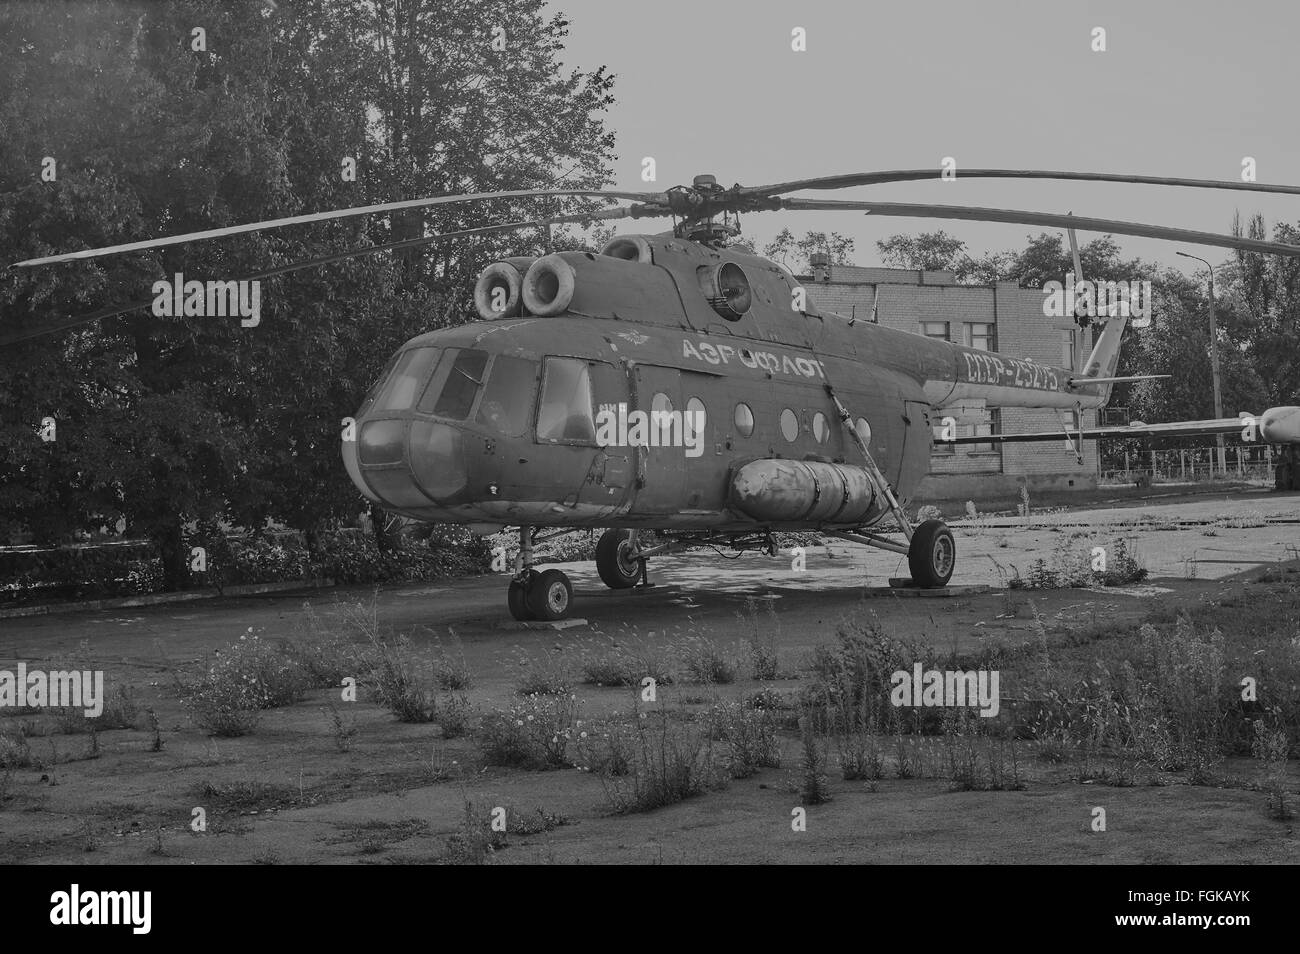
[
  {"x": 134, "y": 567},
  {"x": 706, "y": 662},
  {"x": 750, "y": 735},
  {"x": 79, "y": 572},
  {"x": 534, "y": 733},
  {"x": 249, "y": 676},
  {"x": 1076, "y": 568},
  {"x": 399, "y": 683},
  {"x": 670, "y": 762},
  {"x": 325, "y": 652}
]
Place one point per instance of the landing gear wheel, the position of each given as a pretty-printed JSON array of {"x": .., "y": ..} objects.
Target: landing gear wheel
[
  {"x": 517, "y": 597},
  {"x": 617, "y": 569},
  {"x": 549, "y": 595},
  {"x": 932, "y": 555}
]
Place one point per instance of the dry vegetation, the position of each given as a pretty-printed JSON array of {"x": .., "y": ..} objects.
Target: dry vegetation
[{"x": 655, "y": 719}]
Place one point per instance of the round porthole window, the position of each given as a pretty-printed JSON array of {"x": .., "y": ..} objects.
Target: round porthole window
[
  {"x": 789, "y": 425},
  {"x": 820, "y": 428},
  {"x": 695, "y": 417},
  {"x": 744, "y": 420},
  {"x": 864, "y": 430}
]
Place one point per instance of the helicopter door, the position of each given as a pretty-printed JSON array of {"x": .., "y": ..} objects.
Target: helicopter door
[
  {"x": 660, "y": 458},
  {"x": 915, "y": 459}
]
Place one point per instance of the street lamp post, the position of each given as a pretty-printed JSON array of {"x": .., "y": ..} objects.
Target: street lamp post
[{"x": 1214, "y": 364}]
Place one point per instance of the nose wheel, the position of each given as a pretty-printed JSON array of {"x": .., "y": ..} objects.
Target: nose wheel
[
  {"x": 540, "y": 596},
  {"x": 532, "y": 595}
]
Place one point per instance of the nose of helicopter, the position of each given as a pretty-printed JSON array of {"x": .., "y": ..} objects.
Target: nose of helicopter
[{"x": 407, "y": 463}]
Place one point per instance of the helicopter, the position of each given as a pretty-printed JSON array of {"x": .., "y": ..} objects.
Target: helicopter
[{"x": 681, "y": 384}]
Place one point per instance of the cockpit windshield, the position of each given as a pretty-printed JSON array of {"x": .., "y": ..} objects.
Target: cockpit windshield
[
  {"x": 409, "y": 372},
  {"x": 455, "y": 379}
]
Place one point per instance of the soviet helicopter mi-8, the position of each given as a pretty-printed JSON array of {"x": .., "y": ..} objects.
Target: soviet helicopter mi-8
[{"x": 753, "y": 412}]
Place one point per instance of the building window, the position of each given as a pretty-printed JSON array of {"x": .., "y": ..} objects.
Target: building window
[
  {"x": 744, "y": 419},
  {"x": 990, "y": 425},
  {"x": 981, "y": 337},
  {"x": 935, "y": 329},
  {"x": 944, "y": 450},
  {"x": 789, "y": 425}
]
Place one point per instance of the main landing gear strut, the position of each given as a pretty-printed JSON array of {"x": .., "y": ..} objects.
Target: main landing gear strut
[{"x": 931, "y": 551}]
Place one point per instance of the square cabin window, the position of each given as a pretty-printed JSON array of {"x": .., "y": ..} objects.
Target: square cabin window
[{"x": 573, "y": 389}]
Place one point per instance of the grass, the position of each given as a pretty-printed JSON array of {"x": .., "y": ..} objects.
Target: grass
[
  {"x": 707, "y": 663},
  {"x": 534, "y": 733},
  {"x": 548, "y": 673},
  {"x": 750, "y": 736},
  {"x": 669, "y": 761},
  {"x": 1079, "y": 565}
]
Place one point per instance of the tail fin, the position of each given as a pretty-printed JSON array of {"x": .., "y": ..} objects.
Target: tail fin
[{"x": 1104, "y": 359}]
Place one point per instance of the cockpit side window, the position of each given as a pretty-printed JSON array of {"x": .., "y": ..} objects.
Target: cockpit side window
[
  {"x": 464, "y": 381},
  {"x": 454, "y": 384},
  {"x": 565, "y": 413},
  {"x": 572, "y": 391},
  {"x": 404, "y": 380},
  {"x": 509, "y": 396}
]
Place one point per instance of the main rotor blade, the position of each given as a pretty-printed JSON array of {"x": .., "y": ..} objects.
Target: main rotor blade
[
  {"x": 852, "y": 179},
  {"x": 650, "y": 197},
  {"x": 112, "y": 311},
  {"x": 1016, "y": 217}
]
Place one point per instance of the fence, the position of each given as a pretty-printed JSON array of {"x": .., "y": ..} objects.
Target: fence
[{"x": 1193, "y": 464}]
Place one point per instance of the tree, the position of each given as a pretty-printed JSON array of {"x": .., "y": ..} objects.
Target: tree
[
  {"x": 928, "y": 251},
  {"x": 171, "y": 420},
  {"x": 785, "y": 248},
  {"x": 1264, "y": 320}
]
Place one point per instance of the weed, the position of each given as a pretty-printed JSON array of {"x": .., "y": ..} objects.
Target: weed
[
  {"x": 750, "y": 735},
  {"x": 535, "y": 733},
  {"x": 344, "y": 728},
  {"x": 399, "y": 683},
  {"x": 1270, "y": 747},
  {"x": 706, "y": 662},
  {"x": 812, "y": 787},
  {"x": 670, "y": 762}
]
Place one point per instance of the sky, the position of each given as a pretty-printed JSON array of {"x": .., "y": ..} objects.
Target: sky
[{"x": 1185, "y": 88}]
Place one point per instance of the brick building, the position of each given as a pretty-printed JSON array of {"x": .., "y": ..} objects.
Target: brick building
[{"x": 1002, "y": 317}]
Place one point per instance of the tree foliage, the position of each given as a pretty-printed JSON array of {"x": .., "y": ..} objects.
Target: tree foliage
[{"x": 163, "y": 421}]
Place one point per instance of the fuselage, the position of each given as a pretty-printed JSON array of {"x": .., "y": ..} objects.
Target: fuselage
[{"x": 502, "y": 421}]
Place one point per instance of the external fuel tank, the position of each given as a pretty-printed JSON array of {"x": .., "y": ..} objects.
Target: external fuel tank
[{"x": 802, "y": 490}]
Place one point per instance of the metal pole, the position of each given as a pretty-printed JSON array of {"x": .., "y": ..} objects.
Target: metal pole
[{"x": 1214, "y": 365}]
